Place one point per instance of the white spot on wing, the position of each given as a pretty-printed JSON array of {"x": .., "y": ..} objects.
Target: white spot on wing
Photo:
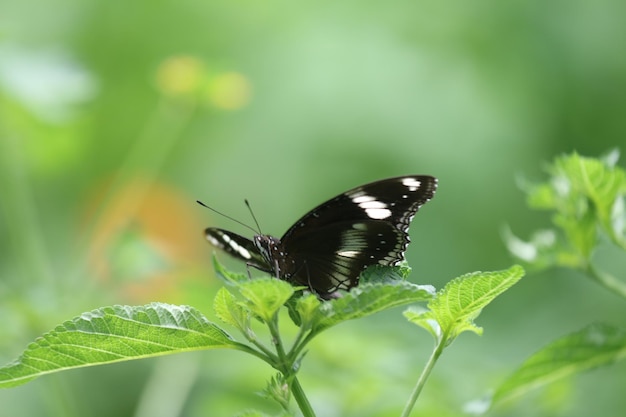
[
  {"x": 378, "y": 213},
  {"x": 373, "y": 205},
  {"x": 361, "y": 198},
  {"x": 349, "y": 253},
  {"x": 213, "y": 241},
  {"x": 411, "y": 183},
  {"x": 373, "y": 208},
  {"x": 236, "y": 247}
]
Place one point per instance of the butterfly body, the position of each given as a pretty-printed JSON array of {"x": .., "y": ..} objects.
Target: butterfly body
[{"x": 328, "y": 248}]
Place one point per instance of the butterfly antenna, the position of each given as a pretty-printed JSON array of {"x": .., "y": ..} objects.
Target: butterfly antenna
[
  {"x": 253, "y": 216},
  {"x": 228, "y": 217}
]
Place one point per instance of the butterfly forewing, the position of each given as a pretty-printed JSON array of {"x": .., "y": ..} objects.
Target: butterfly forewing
[{"x": 237, "y": 246}]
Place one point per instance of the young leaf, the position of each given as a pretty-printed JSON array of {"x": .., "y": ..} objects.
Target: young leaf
[
  {"x": 277, "y": 389},
  {"x": 598, "y": 181},
  {"x": 113, "y": 334},
  {"x": 586, "y": 195},
  {"x": 368, "y": 299},
  {"x": 455, "y": 307},
  {"x": 265, "y": 295},
  {"x": 591, "y": 347},
  {"x": 306, "y": 308},
  {"x": 229, "y": 311}
]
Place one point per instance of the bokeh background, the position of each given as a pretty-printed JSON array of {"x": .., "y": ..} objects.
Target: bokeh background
[{"x": 116, "y": 116}]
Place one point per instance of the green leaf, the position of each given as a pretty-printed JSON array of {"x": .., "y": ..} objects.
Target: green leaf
[
  {"x": 306, "y": 307},
  {"x": 367, "y": 299},
  {"x": 423, "y": 318},
  {"x": 277, "y": 389},
  {"x": 229, "y": 277},
  {"x": 586, "y": 196},
  {"x": 594, "y": 346},
  {"x": 455, "y": 307},
  {"x": 383, "y": 273},
  {"x": 114, "y": 334},
  {"x": 265, "y": 296},
  {"x": 229, "y": 311},
  {"x": 597, "y": 181}
]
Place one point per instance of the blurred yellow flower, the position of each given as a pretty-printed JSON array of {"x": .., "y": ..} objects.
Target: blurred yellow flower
[
  {"x": 229, "y": 91},
  {"x": 180, "y": 75}
]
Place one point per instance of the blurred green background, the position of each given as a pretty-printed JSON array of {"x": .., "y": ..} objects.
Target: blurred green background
[{"x": 116, "y": 116}]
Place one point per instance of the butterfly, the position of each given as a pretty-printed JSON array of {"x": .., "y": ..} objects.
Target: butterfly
[{"x": 328, "y": 248}]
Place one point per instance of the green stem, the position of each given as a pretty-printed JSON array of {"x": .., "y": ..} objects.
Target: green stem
[
  {"x": 423, "y": 377},
  {"x": 278, "y": 343},
  {"x": 298, "y": 343},
  {"x": 299, "y": 347},
  {"x": 267, "y": 357},
  {"x": 301, "y": 399},
  {"x": 607, "y": 280},
  {"x": 286, "y": 367},
  {"x": 259, "y": 345}
]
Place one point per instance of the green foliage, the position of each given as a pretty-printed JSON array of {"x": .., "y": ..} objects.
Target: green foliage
[
  {"x": 586, "y": 197},
  {"x": 368, "y": 299},
  {"x": 118, "y": 333},
  {"x": 265, "y": 296},
  {"x": 113, "y": 334},
  {"x": 591, "y": 347},
  {"x": 454, "y": 308}
]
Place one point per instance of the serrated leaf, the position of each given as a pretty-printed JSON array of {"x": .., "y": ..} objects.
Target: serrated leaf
[
  {"x": 456, "y": 306},
  {"x": 591, "y": 347},
  {"x": 114, "y": 334},
  {"x": 229, "y": 311},
  {"x": 367, "y": 299},
  {"x": 265, "y": 296},
  {"x": 383, "y": 273}
]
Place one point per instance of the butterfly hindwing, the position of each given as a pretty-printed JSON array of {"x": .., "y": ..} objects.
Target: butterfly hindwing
[{"x": 348, "y": 249}]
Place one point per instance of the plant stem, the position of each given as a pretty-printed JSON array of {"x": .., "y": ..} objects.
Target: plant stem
[
  {"x": 278, "y": 342},
  {"x": 423, "y": 377},
  {"x": 301, "y": 399},
  {"x": 607, "y": 280},
  {"x": 286, "y": 367}
]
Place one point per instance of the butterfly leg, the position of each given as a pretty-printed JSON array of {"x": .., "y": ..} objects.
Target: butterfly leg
[
  {"x": 276, "y": 269},
  {"x": 248, "y": 269}
]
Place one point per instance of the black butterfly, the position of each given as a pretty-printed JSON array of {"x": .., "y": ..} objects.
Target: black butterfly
[{"x": 328, "y": 248}]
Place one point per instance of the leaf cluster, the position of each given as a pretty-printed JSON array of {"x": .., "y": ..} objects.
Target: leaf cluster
[
  {"x": 119, "y": 333},
  {"x": 586, "y": 198}
]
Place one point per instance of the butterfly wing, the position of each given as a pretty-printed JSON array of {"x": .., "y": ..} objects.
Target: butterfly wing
[
  {"x": 334, "y": 242},
  {"x": 237, "y": 246}
]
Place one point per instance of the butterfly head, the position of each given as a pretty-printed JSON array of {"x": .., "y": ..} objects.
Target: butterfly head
[{"x": 271, "y": 250}]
